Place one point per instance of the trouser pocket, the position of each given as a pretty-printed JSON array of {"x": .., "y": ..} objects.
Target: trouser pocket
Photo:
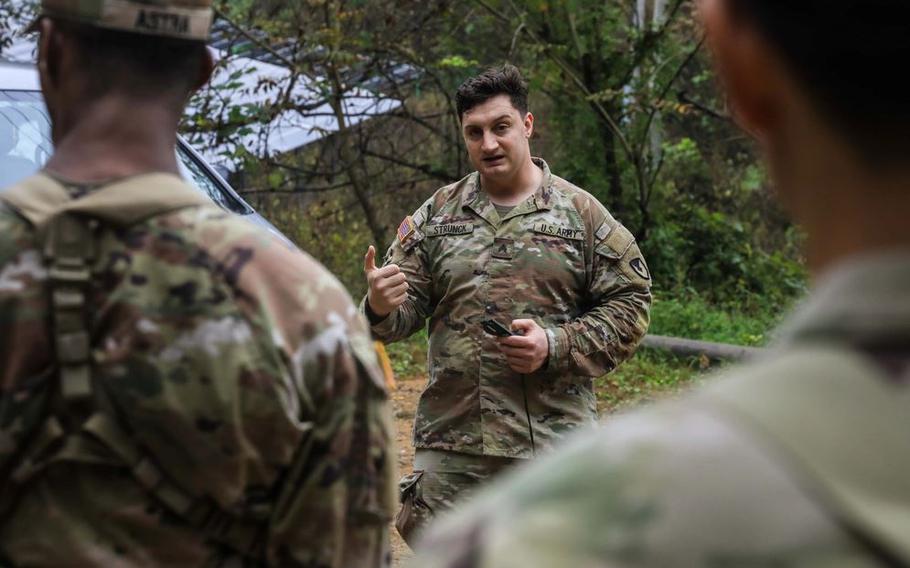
[{"x": 415, "y": 513}]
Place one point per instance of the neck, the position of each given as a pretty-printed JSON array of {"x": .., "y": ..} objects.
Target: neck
[
  {"x": 114, "y": 137},
  {"x": 514, "y": 190}
]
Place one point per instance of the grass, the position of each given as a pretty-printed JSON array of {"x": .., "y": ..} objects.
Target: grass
[
  {"x": 646, "y": 377},
  {"x": 409, "y": 357}
]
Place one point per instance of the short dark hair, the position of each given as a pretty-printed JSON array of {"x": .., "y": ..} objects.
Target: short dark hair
[
  {"x": 136, "y": 64},
  {"x": 847, "y": 55},
  {"x": 505, "y": 80}
]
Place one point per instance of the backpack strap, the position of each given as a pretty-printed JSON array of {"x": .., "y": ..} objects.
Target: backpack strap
[
  {"x": 840, "y": 424},
  {"x": 69, "y": 250},
  {"x": 68, "y": 229}
]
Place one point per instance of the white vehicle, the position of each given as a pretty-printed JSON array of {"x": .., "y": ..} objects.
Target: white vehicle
[{"x": 25, "y": 143}]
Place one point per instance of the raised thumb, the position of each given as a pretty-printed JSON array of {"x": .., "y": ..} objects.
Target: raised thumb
[{"x": 369, "y": 260}]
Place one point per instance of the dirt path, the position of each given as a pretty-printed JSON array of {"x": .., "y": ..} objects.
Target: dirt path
[{"x": 404, "y": 400}]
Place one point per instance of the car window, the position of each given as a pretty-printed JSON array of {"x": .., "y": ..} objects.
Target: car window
[
  {"x": 25, "y": 146},
  {"x": 191, "y": 170},
  {"x": 24, "y": 139}
]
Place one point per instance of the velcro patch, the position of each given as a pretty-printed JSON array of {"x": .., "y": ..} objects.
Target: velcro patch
[
  {"x": 616, "y": 244},
  {"x": 564, "y": 232},
  {"x": 449, "y": 229},
  {"x": 602, "y": 232}
]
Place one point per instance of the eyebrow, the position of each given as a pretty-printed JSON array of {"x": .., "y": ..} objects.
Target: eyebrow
[{"x": 495, "y": 120}]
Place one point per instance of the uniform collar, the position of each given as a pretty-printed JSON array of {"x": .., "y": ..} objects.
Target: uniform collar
[
  {"x": 863, "y": 301},
  {"x": 478, "y": 201}
]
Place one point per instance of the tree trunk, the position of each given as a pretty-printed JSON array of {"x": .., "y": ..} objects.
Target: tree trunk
[
  {"x": 611, "y": 168},
  {"x": 352, "y": 164}
]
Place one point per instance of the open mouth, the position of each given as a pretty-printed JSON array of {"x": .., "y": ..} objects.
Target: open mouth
[{"x": 494, "y": 160}]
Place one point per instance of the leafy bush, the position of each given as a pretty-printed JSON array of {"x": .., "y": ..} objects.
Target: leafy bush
[
  {"x": 711, "y": 255},
  {"x": 693, "y": 318}
]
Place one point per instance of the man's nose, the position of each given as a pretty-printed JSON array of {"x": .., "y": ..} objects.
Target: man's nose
[{"x": 489, "y": 143}]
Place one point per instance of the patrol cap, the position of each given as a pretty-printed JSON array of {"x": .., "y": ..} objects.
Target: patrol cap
[{"x": 184, "y": 19}]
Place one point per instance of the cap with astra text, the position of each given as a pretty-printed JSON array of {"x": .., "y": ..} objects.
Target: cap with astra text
[{"x": 186, "y": 19}]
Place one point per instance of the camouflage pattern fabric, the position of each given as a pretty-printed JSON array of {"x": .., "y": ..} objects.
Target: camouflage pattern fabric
[
  {"x": 560, "y": 259},
  {"x": 439, "y": 481},
  {"x": 229, "y": 356},
  {"x": 819, "y": 478}
]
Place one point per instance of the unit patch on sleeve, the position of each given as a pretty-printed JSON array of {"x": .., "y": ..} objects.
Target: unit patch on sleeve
[
  {"x": 639, "y": 267},
  {"x": 564, "y": 232}
]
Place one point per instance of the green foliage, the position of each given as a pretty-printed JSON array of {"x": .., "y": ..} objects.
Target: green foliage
[
  {"x": 712, "y": 254},
  {"x": 336, "y": 236},
  {"x": 694, "y": 318},
  {"x": 409, "y": 357},
  {"x": 626, "y": 108}
]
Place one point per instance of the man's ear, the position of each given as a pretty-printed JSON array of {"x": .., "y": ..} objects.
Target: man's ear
[
  {"x": 49, "y": 51},
  {"x": 529, "y": 125},
  {"x": 747, "y": 67},
  {"x": 206, "y": 68}
]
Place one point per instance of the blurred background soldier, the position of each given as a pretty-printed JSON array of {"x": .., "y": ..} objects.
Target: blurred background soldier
[
  {"x": 532, "y": 289},
  {"x": 801, "y": 459},
  {"x": 179, "y": 387}
]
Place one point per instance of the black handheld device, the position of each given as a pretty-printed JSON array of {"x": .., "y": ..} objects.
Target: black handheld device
[{"x": 493, "y": 327}]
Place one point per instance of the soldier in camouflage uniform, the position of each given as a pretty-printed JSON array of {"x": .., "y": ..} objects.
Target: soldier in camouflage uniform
[
  {"x": 801, "y": 459},
  {"x": 179, "y": 387},
  {"x": 516, "y": 244}
]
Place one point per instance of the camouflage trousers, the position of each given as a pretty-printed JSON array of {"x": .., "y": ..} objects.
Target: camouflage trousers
[{"x": 439, "y": 481}]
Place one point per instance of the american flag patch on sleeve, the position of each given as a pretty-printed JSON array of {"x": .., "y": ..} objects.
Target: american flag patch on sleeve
[{"x": 406, "y": 229}]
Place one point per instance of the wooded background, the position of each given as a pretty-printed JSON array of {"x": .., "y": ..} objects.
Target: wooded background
[
  {"x": 626, "y": 107},
  {"x": 625, "y": 104}
]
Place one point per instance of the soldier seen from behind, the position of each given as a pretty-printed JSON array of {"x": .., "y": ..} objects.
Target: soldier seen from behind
[
  {"x": 531, "y": 288},
  {"x": 179, "y": 387},
  {"x": 801, "y": 459}
]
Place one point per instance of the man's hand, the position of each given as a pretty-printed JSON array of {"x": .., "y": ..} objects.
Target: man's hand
[
  {"x": 388, "y": 286},
  {"x": 528, "y": 351}
]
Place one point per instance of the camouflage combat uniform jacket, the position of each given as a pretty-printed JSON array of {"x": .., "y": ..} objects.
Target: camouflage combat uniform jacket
[
  {"x": 558, "y": 258},
  {"x": 800, "y": 460},
  {"x": 229, "y": 356}
]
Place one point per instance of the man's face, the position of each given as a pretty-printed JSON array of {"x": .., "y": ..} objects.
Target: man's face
[{"x": 496, "y": 136}]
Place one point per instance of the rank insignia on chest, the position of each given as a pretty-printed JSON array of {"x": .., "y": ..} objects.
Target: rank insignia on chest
[
  {"x": 503, "y": 249},
  {"x": 406, "y": 229}
]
